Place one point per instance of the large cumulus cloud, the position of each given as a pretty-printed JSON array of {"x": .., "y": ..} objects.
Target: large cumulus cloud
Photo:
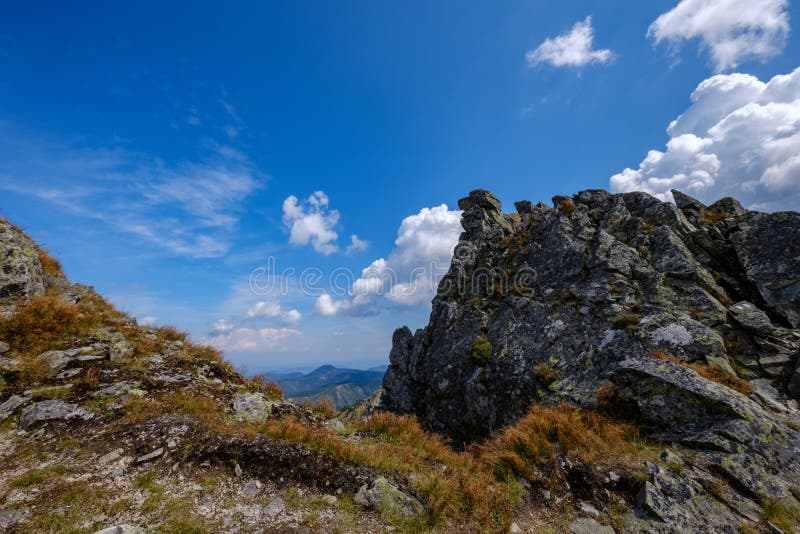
[{"x": 739, "y": 137}]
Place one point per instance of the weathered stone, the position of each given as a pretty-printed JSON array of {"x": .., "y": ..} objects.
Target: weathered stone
[
  {"x": 383, "y": 495},
  {"x": 50, "y": 410},
  {"x": 252, "y": 406},
  {"x": 57, "y": 360},
  {"x": 11, "y": 404},
  {"x": 21, "y": 273},
  {"x": 150, "y": 456},
  {"x": 4, "y": 347}
]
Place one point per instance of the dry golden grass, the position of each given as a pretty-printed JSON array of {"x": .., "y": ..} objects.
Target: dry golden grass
[
  {"x": 531, "y": 448},
  {"x": 324, "y": 407},
  {"x": 709, "y": 372},
  {"x": 269, "y": 389},
  {"x": 50, "y": 266},
  {"x": 567, "y": 206},
  {"x": 44, "y": 322}
]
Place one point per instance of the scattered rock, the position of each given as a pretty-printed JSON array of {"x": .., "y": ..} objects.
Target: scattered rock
[
  {"x": 50, "y": 410},
  {"x": 589, "y": 508},
  {"x": 276, "y": 506},
  {"x": 4, "y": 347},
  {"x": 251, "y": 488},
  {"x": 57, "y": 360},
  {"x": 514, "y": 529},
  {"x": 237, "y": 470},
  {"x": 150, "y": 456},
  {"x": 11, "y": 404},
  {"x": 382, "y": 494}
]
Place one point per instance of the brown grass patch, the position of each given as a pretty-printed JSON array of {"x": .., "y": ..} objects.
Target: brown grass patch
[
  {"x": 270, "y": 389},
  {"x": 44, "y": 322},
  {"x": 545, "y": 374},
  {"x": 532, "y": 447},
  {"x": 709, "y": 372}
]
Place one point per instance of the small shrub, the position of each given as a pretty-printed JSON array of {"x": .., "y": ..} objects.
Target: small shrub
[
  {"x": 783, "y": 513},
  {"x": 606, "y": 395},
  {"x": 627, "y": 321},
  {"x": 545, "y": 374},
  {"x": 481, "y": 351},
  {"x": 324, "y": 407}
]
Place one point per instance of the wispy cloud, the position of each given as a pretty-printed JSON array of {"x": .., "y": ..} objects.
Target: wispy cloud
[{"x": 189, "y": 208}]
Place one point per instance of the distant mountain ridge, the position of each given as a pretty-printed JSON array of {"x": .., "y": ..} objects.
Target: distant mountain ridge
[{"x": 343, "y": 386}]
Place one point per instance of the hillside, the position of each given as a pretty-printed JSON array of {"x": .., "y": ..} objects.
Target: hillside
[
  {"x": 344, "y": 387},
  {"x": 106, "y": 424}
]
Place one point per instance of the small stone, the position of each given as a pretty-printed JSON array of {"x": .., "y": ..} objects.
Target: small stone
[
  {"x": 252, "y": 488},
  {"x": 587, "y": 525},
  {"x": 68, "y": 373},
  {"x": 613, "y": 477},
  {"x": 514, "y": 529},
  {"x": 4, "y": 347},
  {"x": 150, "y": 456},
  {"x": 275, "y": 507},
  {"x": 589, "y": 508},
  {"x": 57, "y": 360},
  {"x": 237, "y": 470},
  {"x": 330, "y": 500},
  {"x": 117, "y": 472},
  {"x": 171, "y": 444},
  {"x": 120, "y": 350},
  {"x": 121, "y": 529},
  {"x": 110, "y": 457}
]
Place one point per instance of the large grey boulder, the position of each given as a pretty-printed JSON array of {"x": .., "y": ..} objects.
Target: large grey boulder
[{"x": 20, "y": 269}]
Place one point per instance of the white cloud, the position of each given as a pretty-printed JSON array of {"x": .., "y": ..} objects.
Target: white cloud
[
  {"x": 312, "y": 222},
  {"x": 571, "y": 49},
  {"x": 740, "y": 137},
  {"x": 411, "y": 272},
  {"x": 273, "y": 310},
  {"x": 356, "y": 245},
  {"x": 731, "y": 30},
  {"x": 148, "y": 320},
  {"x": 250, "y": 339}
]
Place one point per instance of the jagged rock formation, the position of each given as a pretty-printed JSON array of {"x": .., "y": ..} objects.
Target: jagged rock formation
[{"x": 598, "y": 301}]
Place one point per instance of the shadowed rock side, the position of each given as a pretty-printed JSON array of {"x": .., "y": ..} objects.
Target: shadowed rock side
[{"x": 621, "y": 294}]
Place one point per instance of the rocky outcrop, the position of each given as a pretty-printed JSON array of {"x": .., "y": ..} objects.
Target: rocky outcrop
[
  {"x": 21, "y": 273},
  {"x": 620, "y": 294}
]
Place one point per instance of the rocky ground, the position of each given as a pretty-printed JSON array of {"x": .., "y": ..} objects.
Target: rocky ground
[{"x": 638, "y": 382}]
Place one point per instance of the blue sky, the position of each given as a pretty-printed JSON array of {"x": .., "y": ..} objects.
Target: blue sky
[{"x": 164, "y": 152}]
